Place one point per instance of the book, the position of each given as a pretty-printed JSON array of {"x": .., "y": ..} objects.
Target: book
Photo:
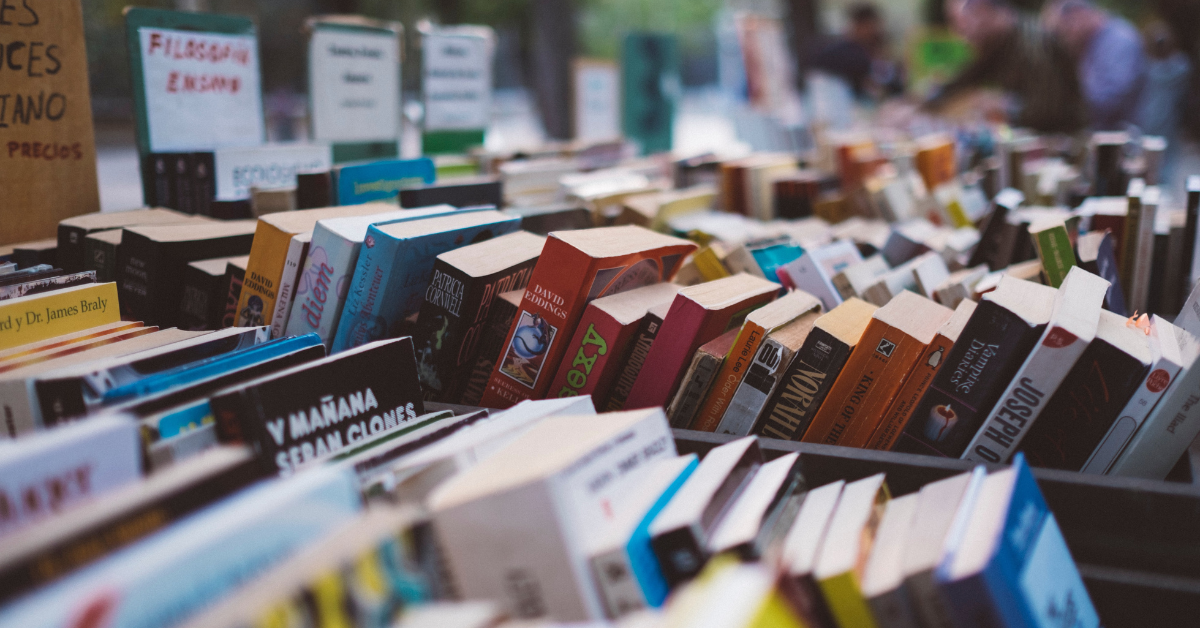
[
  {"x": 36, "y": 317},
  {"x": 205, "y": 289},
  {"x": 764, "y": 374},
  {"x": 897, "y": 415},
  {"x": 1054, "y": 250},
  {"x": 814, "y": 271},
  {"x": 1138, "y": 248},
  {"x": 623, "y": 563},
  {"x": 395, "y": 268},
  {"x": 802, "y": 545},
  {"x": 757, "y": 519},
  {"x": 491, "y": 344},
  {"x": 23, "y": 359},
  {"x": 1094, "y": 252},
  {"x": 37, "y": 252},
  {"x": 151, "y": 260},
  {"x": 883, "y": 582},
  {"x": 49, "y": 473},
  {"x": 208, "y": 554},
  {"x": 57, "y": 342},
  {"x": 1192, "y": 216},
  {"x": 39, "y": 555},
  {"x": 1093, "y": 393},
  {"x": 929, "y": 271},
  {"x": 814, "y": 369},
  {"x": 847, "y": 545},
  {"x": 345, "y": 399},
  {"x": 273, "y": 236},
  {"x": 1014, "y": 567},
  {"x": 1167, "y": 347},
  {"x": 1074, "y": 323},
  {"x": 744, "y": 354},
  {"x": 325, "y": 277},
  {"x": 76, "y": 391},
  {"x": 381, "y": 180},
  {"x": 1006, "y": 325},
  {"x": 47, "y": 284},
  {"x": 452, "y": 318},
  {"x": 28, "y": 272},
  {"x": 943, "y": 508},
  {"x": 100, "y": 253},
  {"x": 506, "y": 518},
  {"x": 545, "y": 219},
  {"x": 73, "y": 231},
  {"x": 458, "y": 192},
  {"x": 576, "y": 267},
  {"x": 286, "y": 295},
  {"x": 854, "y": 280},
  {"x": 699, "y": 378},
  {"x": 680, "y": 533},
  {"x": 887, "y": 353},
  {"x": 698, "y": 314},
  {"x": 235, "y": 275},
  {"x": 635, "y": 359},
  {"x": 608, "y": 325}
]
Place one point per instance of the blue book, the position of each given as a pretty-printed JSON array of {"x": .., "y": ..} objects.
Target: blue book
[
  {"x": 626, "y": 569},
  {"x": 189, "y": 374},
  {"x": 382, "y": 180},
  {"x": 167, "y": 577},
  {"x": 1013, "y": 568},
  {"x": 395, "y": 266},
  {"x": 772, "y": 257}
]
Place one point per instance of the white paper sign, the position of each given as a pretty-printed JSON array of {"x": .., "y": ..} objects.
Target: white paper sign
[
  {"x": 597, "y": 101},
  {"x": 202, "y": 90},
  {"x": 266, "y": 167},
  {"x": 354, "y": 85},
  {"x": 457, "y": 81}
]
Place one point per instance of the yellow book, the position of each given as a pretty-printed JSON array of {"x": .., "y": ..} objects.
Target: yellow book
[
  {"x": 268, "y": 255},
  {"x": 709, "y": 265},
  {"x": 38, "y": 317}
]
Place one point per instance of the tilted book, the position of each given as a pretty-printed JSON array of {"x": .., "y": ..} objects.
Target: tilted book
[
  {"x": 814, "y": 271},
  {"x": 28, "y": 319},
  {"x": 843, "y": 556},
  {"x": 764, "y": 374},
  {"x": 698, "y": 379},
  {"x": 47, "y": 284},
  {"x": 1094, "y": 252},
  {"x": 286, "y": 295},
  {"x": 635, "y": 357},
  {"x": 491, "y": 344},
  {"x": 1054, "y": 249}
]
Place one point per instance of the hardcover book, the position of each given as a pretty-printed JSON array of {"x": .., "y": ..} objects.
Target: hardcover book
[
  {"x": 451, "y": 322},
  {"x": 898, "y": 334},
  {"x": 1003, "y": 330},
  {"x": 635, "y": 358},
  {"x": 28, "y": 319},
  {"x": 575, "y": 268},
  {"x": 73, "y": 231},
  {"x": 491, "y": 344},
  {"x": 1073, "y": 325},
  {"x": 395, "y": 268},
  {"x": 699, "y": 378},
  {"x": 315, "y": 410},
  {"x": 813, "y": 371},
  {"x": 608, "y": 325}
]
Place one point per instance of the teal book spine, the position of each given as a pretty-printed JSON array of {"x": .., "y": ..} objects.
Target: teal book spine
[{"x": 360, "y": 322}]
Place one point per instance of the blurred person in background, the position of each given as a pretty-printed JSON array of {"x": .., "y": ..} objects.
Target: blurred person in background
[
  {"x": 1161, "y": 108},
  {"x": 860, "y": 57},
  {"x": 1111, "y": 62},
  {"x": 1015, "y": 54}
]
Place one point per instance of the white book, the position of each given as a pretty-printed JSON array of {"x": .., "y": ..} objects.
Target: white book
[
  {"x": 297, "y": 250},
  {"x": 897, "y": 280},
  {"x": 807, "y": 533},
  {"x": 1139, "y": 288},
  {"x": 856, "y": 278},
  {"x": 44, "y": 474},
  {"x": 883, "y": 579},
  {"x": 1072, "y": 327},
  {"x": 329, "y": 267},
  {"x": 815, "y": 270},
  {"x": 1167, "y": 344},
  {"x": 929, "y": 273},
  {"x": 848, "y": 542},
  {"x": 516, "y": 527},
  {"x": 765, "y": 494}
]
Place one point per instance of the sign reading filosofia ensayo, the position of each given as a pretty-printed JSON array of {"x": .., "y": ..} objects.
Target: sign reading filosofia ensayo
[
  {"x": 457, "y": 77},
  {"x": 354, "y": 82}
]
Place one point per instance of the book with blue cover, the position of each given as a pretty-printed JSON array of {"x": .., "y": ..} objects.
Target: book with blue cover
[
  {"x": 381, "y": 180},
  {"x": 395, "y": 267},
  {"x": 1013, "y": 568}
]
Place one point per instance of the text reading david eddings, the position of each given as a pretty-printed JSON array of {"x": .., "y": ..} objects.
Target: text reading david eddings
[{"x": 44, "y": 316}]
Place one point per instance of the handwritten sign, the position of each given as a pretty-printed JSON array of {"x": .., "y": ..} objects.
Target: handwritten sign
[
  {"x": 597, "y": 92},
  {"x": 202, "y": 90},
  {"x": 47, "y": 146},
  {"x": 266, "y": 167},
  {"x": 354, "y": 84},
  {"x": 457, "y": 73}
]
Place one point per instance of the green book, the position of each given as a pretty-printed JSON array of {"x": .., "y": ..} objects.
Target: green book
[{"x": 1053, "y": 244}]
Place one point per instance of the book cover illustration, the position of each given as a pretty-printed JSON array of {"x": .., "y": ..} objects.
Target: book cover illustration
[{"x": 525, "y": 356}]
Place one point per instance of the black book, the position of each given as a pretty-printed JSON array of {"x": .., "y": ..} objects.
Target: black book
[
  {"x": 461, "y": 192},
  {"x": 184, "y": 193},
  {"x": 73, "y": 232},
  {"x": 314, "y": 189},
  {"x": 1001, "y": 333},
  {"x": 101, "y": 250},
  {"x": 204, "y": 183},
  {"x": 32, "y": 273},
  {"x": 231, "y": 210},
  {"x": 635, "y": 358},
  {"x": 452, "y": 318},
  {"x": 202, "y": 304},
  {"x": 313, "y": 411},
  {"x": 157, "y": 180},
  {"x": 46, "y": 284},
  {"x": 994, "y": 248},
  {"x": 1109, "y": 178},
  {"x": 1157, "y": 299},
  {"x": 152, "y": 258},
  {"x": 235, "y": 275},
  {"x": 52, "y": 549},
  {"x": 30, "y": 254},
  {"x": 1094, "y": 253},
  {"x": 1189, "y": 235},
  {"x": 491, "y": 343},
  {"x": 543, "y": 220},
  {"x": 1091, "y": 398}
]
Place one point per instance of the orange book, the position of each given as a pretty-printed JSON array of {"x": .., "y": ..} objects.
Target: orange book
[
  {"x": 898, "y": 415},
  {"x": 935, "y": 160},
  {"x": 758, "y": 324},
  {"x": 895, "y": 339}
]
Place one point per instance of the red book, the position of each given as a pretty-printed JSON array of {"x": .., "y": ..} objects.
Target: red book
[
  {"x": 699, "y": 314},
  {"x": 593, "y": 358},
  {"x": 576, "y": 267}
]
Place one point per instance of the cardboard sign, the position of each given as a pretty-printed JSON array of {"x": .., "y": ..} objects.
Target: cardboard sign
[
  {"x": 597, "y": 91},
  {"x": 457, "y": 73},
  {"x": 197, "y": 83},
  {"x": 354, "y": 82},
  {"x": 266, "y": 167},
  {"x": 47, "y": 146}
]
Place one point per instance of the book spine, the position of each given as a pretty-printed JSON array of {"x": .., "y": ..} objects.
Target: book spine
[
  {"x": 805, "y": 385},
  {"x": 632, "y": 364},
  {"x": 260, "y": 288},
  {"x": 1130, "y": 238},
  {"x": 136, "y": 261},
  {"x": 54, "y": 314},
  {"x": 1189, "y": 237},
  {"x": 482, "y": 295},
  {"x": 697, "y": 381},
  {"x": 204, "y": 185},
  {"x": 1139, "y": 289},
  {"x": 1162, "y": 373},
  {"x": 1026, "y": 397},
  {"x": 760, "y": 381},
  {"x": 184, "y": 188},
  {"x": 297, "y": 249},
  {"x": 48, "y": 284},
  {"x": 1054, "y": 250},
  {"x": 194, "y": 304},
  {"x": 158, "y": 186},
  {"x": 597, "y": 338},
  {"x": 733, "y": 370},
  {"x": 69, "y": 253},
  {"x": 323, "y": 285},
  {"x": 991, "y": 241},
  {"x": 440, "y": 328},
  {"x": 235, "y": 276},
  {"x": 900, "y": 412},
  {"x": 500, "y": 320},
  {"x": 619, "y": 589},
  {"x": 1167, "y": 432},
  {"x": 358, "y": 324}
]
